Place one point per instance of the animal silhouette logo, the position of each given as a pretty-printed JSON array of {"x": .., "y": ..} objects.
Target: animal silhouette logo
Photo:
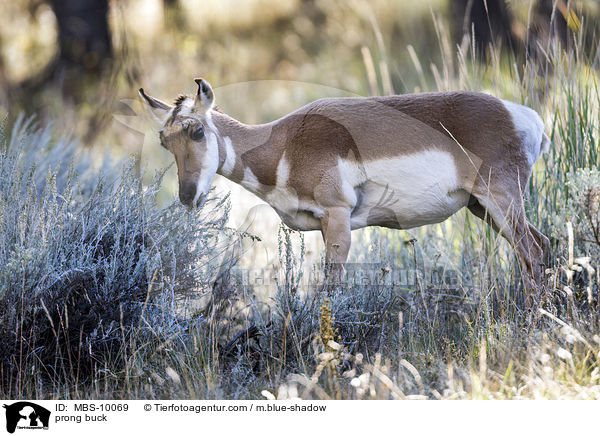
[{"x": 24, "y": 414}]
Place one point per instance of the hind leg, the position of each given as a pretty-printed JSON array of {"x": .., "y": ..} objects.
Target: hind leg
[
  {"x": 506, "y": 214},
  {"x": 544, "y": 244}
]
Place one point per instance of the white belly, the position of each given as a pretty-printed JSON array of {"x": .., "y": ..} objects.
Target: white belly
[{"x": 407, "y": 191}]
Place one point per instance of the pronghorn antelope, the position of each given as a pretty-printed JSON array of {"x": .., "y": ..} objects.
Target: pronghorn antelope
[{"x": 339, "y": 164}]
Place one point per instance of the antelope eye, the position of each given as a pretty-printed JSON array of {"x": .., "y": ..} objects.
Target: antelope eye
[{"x": 196, "y": 134}]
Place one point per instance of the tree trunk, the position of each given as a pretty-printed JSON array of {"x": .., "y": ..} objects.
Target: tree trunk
[
  {"x": 489, "y": 21},
  {"x": 549, "y": 21},
  {"x": 83, "y": 34}
]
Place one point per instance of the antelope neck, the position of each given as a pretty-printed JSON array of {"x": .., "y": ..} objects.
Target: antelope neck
[{"x": 246, "y": 152}]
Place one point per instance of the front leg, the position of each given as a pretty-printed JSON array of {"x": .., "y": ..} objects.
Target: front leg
[{"x": 335, "y": 227}]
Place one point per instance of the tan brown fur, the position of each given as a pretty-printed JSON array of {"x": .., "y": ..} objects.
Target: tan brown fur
[
  {"x": 311, "y": 138},
  {"x": 488, "y": 152}
]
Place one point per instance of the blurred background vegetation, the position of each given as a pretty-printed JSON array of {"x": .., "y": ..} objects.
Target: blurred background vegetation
[
  {"x": 78, "y": 63},
  {"x": 72, "y": 61}
]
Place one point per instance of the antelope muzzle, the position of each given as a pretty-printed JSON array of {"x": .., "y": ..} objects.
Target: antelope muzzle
[{"x": 187, "y": 193}]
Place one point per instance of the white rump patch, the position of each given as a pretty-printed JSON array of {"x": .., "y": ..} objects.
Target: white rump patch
[{"x": 530, "y": 128}]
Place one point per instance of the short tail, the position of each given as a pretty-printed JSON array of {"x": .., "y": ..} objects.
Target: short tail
[{"x": 545, "y": 145}]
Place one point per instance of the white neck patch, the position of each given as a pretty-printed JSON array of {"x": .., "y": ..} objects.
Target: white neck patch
[
  {"x": 209, "y": 121},
  {"x": 209, "y": 166},
  {"x": 283, "y": 172},
  {"x": 250, "y": 181},
  {"x": 230, "y": 157}
]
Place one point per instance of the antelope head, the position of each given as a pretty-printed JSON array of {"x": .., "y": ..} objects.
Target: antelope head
[{"x": 188, "y": 132}]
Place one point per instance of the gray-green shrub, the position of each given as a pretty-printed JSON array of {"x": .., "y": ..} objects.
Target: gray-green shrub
[{"x": 87, "y": 259}]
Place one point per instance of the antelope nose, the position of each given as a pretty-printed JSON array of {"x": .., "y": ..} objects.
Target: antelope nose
[{"x": 187, "y": 192}]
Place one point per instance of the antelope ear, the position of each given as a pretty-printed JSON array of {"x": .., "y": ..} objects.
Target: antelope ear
[
  {"x": 159, "y": 109},
  {"x": 205, "y": 99}
]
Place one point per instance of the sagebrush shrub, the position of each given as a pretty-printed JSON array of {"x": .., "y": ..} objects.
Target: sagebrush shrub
[
  {"x": 85, "y": 254},
  {"x": 582, "y": 209}
]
